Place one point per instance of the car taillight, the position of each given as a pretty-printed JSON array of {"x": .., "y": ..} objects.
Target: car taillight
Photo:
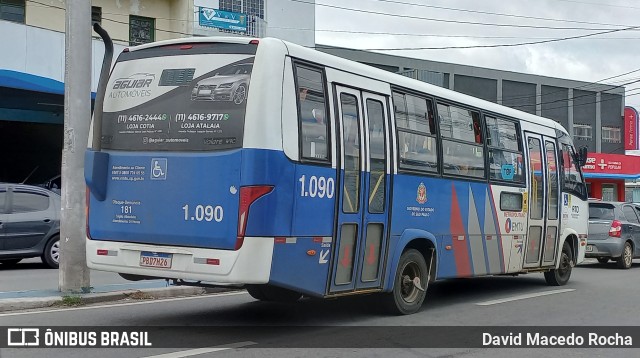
[
  {"x": 616, "y": 229},
  {"x": 248, "y": 194}
]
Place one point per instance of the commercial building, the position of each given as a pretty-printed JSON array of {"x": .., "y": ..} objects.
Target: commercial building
[
  {"x": 593, "y": 113},
  {"x": 32, "y": 75}
]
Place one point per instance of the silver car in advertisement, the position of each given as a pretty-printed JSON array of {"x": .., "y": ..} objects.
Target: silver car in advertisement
[
  {"x": 229, "y": 84},
  {"x": 614, "y": 232}
]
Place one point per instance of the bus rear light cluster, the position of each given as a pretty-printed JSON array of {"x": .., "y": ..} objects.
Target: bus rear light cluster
[
  {"x": 104, "y": 252},
  {"x": 616, "y": 229},
  {"x": 248, "y": 195},
  {"x": 86, "y": 210}
]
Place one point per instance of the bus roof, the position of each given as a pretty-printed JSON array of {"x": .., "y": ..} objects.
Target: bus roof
[{"x": 346, "y": 65}]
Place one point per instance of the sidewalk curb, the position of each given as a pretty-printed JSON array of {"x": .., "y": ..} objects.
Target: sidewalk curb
[{"x": 148, "y": 294}]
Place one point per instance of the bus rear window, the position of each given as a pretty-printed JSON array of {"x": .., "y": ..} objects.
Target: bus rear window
[{"x": 166, "y": 100}]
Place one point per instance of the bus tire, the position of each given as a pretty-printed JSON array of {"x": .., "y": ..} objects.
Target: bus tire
[
  {"x": 561, "y": 275},
  {"x": 272, "y": 293},
  {"x": 256, "y": 292},
  {"x": 406, "y": 298}
]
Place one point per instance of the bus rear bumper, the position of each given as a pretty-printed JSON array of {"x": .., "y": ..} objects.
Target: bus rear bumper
[{"x": 249, "y": 265}]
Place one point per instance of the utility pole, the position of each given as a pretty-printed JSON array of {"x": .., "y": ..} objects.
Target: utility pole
[{"x": 73, "y": 271}]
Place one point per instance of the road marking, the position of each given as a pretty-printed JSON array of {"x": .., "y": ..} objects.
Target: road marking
[
  {"x": 524, "y": 297},
  {"x": 123, "y": 304},
  {"x": 194, "y": 352}
]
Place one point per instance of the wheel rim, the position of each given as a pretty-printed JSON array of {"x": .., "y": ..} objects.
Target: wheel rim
[
  {"x": 565, "y": 265},
  {"x": 55, "y": 252},
  {"x": 627, "y": 255},
  {"x": 408, "y": 290},
  {"x": 239, "y": 95}
]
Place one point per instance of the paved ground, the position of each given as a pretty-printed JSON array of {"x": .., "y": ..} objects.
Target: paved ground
[{"x": 597, "y": 295}]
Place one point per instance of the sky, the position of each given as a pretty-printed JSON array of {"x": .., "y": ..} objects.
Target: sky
[{"x": 436, "y": 24}]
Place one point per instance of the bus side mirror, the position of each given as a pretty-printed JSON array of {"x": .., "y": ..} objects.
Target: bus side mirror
[{"x": 582, "y": 156}]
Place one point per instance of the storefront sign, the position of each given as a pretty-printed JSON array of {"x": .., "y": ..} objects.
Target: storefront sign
[
  {"x": 612, "y": 166},
  {"x": 222, "y": 19},
  {"x": 630, "y": 128}
]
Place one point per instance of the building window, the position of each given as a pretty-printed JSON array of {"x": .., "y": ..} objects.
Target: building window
[
  {"x": 141, "y": 30},
  {"x": 249, "y": 7},
  {"x": 611, "y": 135},
  {"x": 582, "y": 131},
  {"x": 96, "y": 15},
  {"x": 12, "y": 10}
]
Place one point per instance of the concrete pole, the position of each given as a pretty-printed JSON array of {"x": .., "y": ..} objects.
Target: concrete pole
[{"x": 73, "y": 272}]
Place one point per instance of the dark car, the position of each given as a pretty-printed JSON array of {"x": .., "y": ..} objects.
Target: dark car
[
  {"x": 29, "y": 224},
  {"x": 614, "y": 232},
  {"x": 54, "y": 184}
]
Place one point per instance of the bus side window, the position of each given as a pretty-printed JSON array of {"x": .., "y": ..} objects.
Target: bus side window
[
  {"x": 416, "y": 133},
  {"x": 504, "y": 149},
  {"x": 314, "y": 127},
  {"x": 462, "y": 142}
]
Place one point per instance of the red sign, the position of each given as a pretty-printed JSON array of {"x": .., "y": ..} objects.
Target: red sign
[
  {"x": 601, "y": 163},
  {"x": 630, "y": 128}
]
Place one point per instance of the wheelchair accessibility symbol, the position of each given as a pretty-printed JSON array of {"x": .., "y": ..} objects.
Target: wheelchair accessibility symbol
[{"x": 159, "y": 169}]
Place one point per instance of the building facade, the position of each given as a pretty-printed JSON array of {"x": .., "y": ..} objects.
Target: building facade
[
  {"x": 593, "y": 113},
  {"x": 32, "y": 62}
]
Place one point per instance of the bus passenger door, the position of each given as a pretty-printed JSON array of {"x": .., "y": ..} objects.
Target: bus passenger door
[
  {"x": 537, "y": 199},
  {"x": 550, "y": 249},
  {"x": 363, "y": 190}
]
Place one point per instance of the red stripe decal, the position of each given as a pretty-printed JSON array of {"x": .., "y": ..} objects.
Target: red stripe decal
[
  {"x": 281, "y": 240},
  {"x": 460, "y": 249}
]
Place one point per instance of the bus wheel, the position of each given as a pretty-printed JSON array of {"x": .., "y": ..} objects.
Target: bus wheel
[
  {"x": 272, "y": 293},
  {"x": 560, "y": 276},
  {"x": 410, "y": 285}
]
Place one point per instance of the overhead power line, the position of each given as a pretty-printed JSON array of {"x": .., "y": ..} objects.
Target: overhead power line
[
  {"x": 493, "y": 46},
  {"x": 499, "y": 14},
  {"x": 448, "y": 20}
]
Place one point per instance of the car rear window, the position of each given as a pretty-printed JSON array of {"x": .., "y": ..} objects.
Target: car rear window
[
  {"x": 601, "y": 211},
  {"x": 178, "y": 98}
]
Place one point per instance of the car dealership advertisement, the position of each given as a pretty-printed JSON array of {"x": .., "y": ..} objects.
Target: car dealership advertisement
[{"x": 194, "y": 102}]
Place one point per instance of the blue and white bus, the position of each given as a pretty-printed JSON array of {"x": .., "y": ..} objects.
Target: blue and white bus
[{"x": 257, "y": 162}]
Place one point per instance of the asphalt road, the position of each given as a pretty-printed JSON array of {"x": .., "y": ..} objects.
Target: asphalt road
[{"x": 597, "y": 295}]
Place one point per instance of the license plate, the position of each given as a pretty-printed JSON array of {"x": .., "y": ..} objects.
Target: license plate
[
  {"x": 155, "y": 259},
  {"x": 589, "y": 248}
]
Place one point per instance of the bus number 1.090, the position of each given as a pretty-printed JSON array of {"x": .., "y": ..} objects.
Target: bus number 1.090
[
  {"x": 320, "y": 187},
  {"x": 203, "y": 213}
]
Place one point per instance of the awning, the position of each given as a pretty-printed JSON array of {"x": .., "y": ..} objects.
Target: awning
[
  {"x": 29, "y": 82},
  {"x": 26, "y": 97}
]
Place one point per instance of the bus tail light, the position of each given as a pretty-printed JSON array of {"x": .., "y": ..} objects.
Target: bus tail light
[
  {"x": 616, "y": 229},
  {"x": 86, "y": 210},
  {"x": 248, "y": 194}
]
